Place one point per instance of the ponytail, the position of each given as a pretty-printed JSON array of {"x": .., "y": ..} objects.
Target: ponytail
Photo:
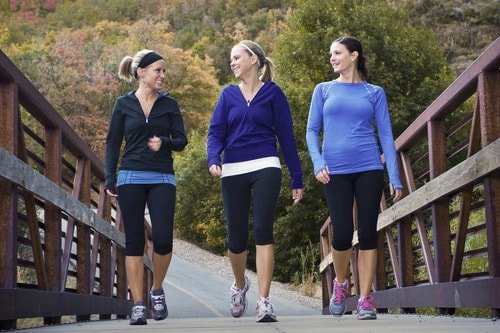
[
  {"x": 268, "y": 69},
  {"x": 125, "y": 69},
  {"x": 363, "y": 71}
]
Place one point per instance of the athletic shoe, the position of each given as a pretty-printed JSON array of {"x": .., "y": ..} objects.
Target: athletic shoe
[
  {"x": 139, "y": 314},
  {"x": 159, "y": 309},
  {"x": 339, "y": 295},
  {"x": 366, "y": 310},
  {"x": 239, "y": 300},
  {"x": 265, "y": 311}
]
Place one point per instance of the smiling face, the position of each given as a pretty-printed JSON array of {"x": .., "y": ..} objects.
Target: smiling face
[
  {"x": 341, "y": 59},
  {"x": 153, "y": 75},
  {"x": 241, "y": 62}
]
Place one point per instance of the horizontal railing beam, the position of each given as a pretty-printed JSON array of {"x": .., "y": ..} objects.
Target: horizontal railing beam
[
  {"x": 480, "y": 293},
  {"x": 31, "y": 303}
]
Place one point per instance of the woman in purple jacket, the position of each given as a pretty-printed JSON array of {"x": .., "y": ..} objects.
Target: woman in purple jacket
[{"x": 246, "y": 121}]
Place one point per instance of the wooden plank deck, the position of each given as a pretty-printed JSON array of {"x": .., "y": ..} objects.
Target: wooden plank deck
[{"x": 312, "y": 324}]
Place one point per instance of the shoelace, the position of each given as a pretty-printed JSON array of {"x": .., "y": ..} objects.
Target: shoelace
[
  {"x": 137, "y": 311},
  {"x": 237, "y": 295},
  {"x": 366, "y": 303},
  {"x": 158, "y": 300},
  {"x": 339, "y": 293},
  {"x": 264, "y": 306}
]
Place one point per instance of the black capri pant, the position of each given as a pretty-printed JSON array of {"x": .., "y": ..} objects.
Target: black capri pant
[
  {"x": 260, "y": 188},
  {"x": 160, "y": 199},
  {"x": 340, "y": 192}
]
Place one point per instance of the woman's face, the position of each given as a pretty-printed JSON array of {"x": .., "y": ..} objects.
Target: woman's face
[
  {"x": 341, "y": 59},
  {"x": 153, "y": 75},
  {"x": 241, "y": 62}
]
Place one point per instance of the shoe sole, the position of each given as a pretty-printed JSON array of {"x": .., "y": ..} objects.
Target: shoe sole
[
  {"x": 157, "y": 318},
  {"x": 335, "y": 314},
  {"x": 139, "y": 322},
  {"x": 367, "y": 317},
  {"x": 267, "y": 319},
  {"x": 242, "y": 313},
  {"x": 160, "y": 316}
]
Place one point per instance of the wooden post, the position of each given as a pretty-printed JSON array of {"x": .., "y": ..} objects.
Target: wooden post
[
  {"x": 53, "y": 216},
  {"x": 118, "y": 261},
  {"x": 405, "y": 248},
  {"x": 9, "y": 117},
  {"x": 105, "y": 272},
  {"x": 489, "y": 110},
  {"x": 83, "y": 246},
  {"x": 405, "y": 254},
  {"x": 380, "y": 280},
  {"x": 436, "y": 132}
]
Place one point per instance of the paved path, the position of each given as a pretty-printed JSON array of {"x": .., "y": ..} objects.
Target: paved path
[{"x": 194, "y": 292}]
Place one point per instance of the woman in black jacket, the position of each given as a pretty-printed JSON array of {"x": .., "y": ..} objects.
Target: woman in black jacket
[{"x": 152, "y": 125}]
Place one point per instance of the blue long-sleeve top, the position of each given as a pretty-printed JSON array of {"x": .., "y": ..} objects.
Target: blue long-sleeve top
[
  {"x": 349, "y": 113},
  {"x": 243, "y": 132}
]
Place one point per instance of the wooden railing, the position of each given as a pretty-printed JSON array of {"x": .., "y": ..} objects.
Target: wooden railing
[
  {"x": 61, "y": 239},
  {"x": 440, "y": 245}
]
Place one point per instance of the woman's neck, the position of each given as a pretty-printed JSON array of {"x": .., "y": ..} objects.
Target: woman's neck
[
  {"x": 145, "y": 93},
  {"x": 147, "y": 98},
  {"x": 350, "y": 77},
  {"x": 251, "y": 85},
  {"x": 249, "y": 88}
]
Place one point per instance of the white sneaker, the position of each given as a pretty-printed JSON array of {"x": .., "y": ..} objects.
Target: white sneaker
[
  {"x": 239, "y": 300},
  {"x": 159, "y": 309},
  {"x": 265, "y": 311},
  {"x": 139, "y": 314}
]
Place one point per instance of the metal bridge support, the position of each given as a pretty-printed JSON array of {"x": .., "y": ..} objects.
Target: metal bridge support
[
  {"x": 489, "y": 110},
  {"x": 436, "y": 134},
  {"x": 83, "y": 235},
  {"x": 9, "y": 117},
  {"x": 53, "y": 216}
]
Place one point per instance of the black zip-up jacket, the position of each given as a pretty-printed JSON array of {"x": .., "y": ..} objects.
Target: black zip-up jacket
[{"x": 128, "y": 120}]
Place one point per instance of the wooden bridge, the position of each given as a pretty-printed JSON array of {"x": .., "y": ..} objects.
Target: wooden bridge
[{"x": 61, "y": 239}]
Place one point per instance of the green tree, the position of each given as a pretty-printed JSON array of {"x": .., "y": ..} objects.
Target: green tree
[
  {"x": 212, "y": 27},
  {"x": 199, "y": 213}
]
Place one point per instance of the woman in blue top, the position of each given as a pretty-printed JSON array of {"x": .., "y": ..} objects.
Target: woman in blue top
[
  {"x": 151, "y": 124},
  {"x": 245, "y": 123},
  {"x": 349, "y": 165}
]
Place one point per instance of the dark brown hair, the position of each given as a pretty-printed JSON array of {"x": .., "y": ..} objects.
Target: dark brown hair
[{"x": 353, "y": 44}]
